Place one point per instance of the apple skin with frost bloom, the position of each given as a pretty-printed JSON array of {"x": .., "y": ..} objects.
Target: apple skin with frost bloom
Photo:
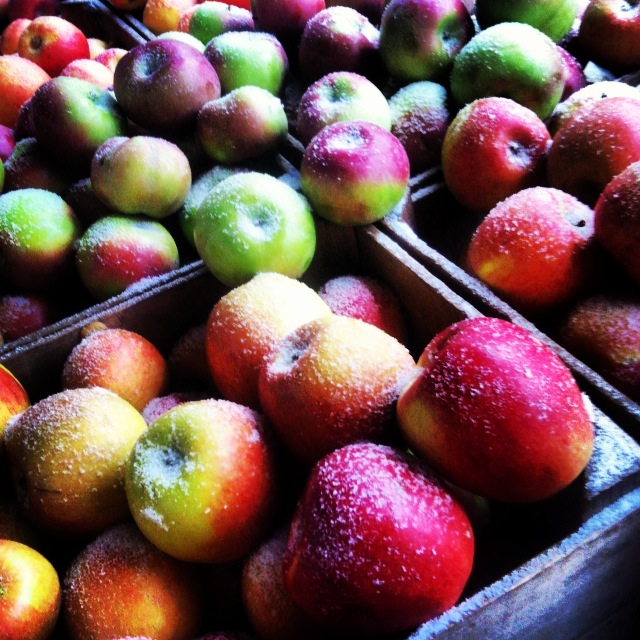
[{"x": 495, "y": 411}]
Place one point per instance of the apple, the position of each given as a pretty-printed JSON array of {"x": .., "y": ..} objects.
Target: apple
[
  {"x": 355, "y": 559},
  {"x": 22, "y": 314},
  {"x": 19, "y": 79},
  {"x": 481, "y": 170},
  {"x": 536, "y": 248},
  {"x": 209, "y": 19},
  {"x": 372, "y": 9},
  {"x": 118, "y": 251},
  {"x": 96, "y": 46},
  {"x": 37, "y": 234},
  {"x": 141, "y": 175},
  {"x": 248, "y": 322},
  {"x": 244, "y": 124},
  {"x": 203, "y": 494},
  {"x": 420, "y": 117},
  {"x": 248, "y": 57},
  {"x": 495, "y": 411},
  {"x": 340, "y": 96},
  {"x": 513, "y": 60},
  {"x": 286, "y": 19},
  {"x": 617, "y": 220},
  {"x": 110, "y": 57},
  {"x": 576, "y": 78},
  {"x": 163, "y": 599},
  {"x": 354, "y": 173},
  {"x": 120, "y": 360},
  {"x": 14, "y": 399},
  {"x": 160, "y": 16},
  {"x": 160, "y": 404},
  {"x": 72, "y": 117},
  {"x": 367, "y": 298},
  {"x": 338, "y": 373},
  {"x": 337, "y": 38},
  {"x": 597, "y": 142},
  {"x": 11, "y": 35},
  {"x": 29, "y": 166},
  {"x": 52, "y": 43},
  {"x": 419, "y": 39},
  {"x": 161, "y": 84},
  {"x": 30, "y": 596},
  {"x": 91, "y": 70},
  {"x": 253, "y": 222},
  {"x": 553, "y": 17},
  {"x": 7, "y": 142},
  {"x": 66, "y": 454},
  {"x": 609, "y": 33},
  {"x": 32, "y": 8},
  {"x": 181, "y": 36}
]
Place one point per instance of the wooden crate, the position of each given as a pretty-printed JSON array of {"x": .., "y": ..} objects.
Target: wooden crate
[{"x": 554, "y": 569}]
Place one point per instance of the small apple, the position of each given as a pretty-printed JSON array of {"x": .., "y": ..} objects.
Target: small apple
[
  {"x": 66, "y": 454},
  {"x": 161, "y": 84},
  {"x": 253, "y": 222},
  {"x": 248, "y": 57},
  {"x": 22, "y": 314},
  {"x": 598, "y": 141},
  {"x": 32, "y": 8},
  {"x": 19, "y": 79},
  {"x": 7, "y": 142},
  {"x": 536, "y": 248},
  {"x": 495, "y": 411},
  {"x": 30, "y": 593},
  {"x": 248, "y": 322},
  {"x": 420, "y": 117},
  {"x": 96, "y": 46},
  {"x": 203, "y": 494},
  {"x": 354, "y": 173},
  {"x": 419, "y": 39},
  {"x": 553, "y": 17},
  {"x": 120, "y": 360},
  {"x": 141, "y": 175},
  {"x": 13, "y": 397},
  {"x": 340, "y": 374},
  {"x": 481, "y": 170},
  {"x": 181, "y": 36},
  {"x": 340, "y": 96},
  {"x": 244, "y": 124},
  {"x": 159, "y": 405},
  {"x": 576, "y": 77},
  {"x": 72, "y": 117},
  {"x": 118, "y": 251},
  {"x": 377, "y": 544},
  {"x": 38, "y": 230},
  {"x": 11, "y": 35},
  {"x": 52, "y": 43},
  {"x": 160, "y": 16},
  {"x": 513, "y": 60},
  {"x": 372, "y": 9},
  {"x": 337, "y": 39},
  {"x": 91, "y": 70},
  {"x": 609, "y": 33},
  {"x": 209, "y": 19},
  {"x": 110, "y": 57},
  {"x": 163, "y": 598}
]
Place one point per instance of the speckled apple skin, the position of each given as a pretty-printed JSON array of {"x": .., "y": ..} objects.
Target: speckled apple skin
[
  {"x": 377, "y": 546},
  {"x": 354, "y": 173},
  {"x": 496, "y": 412},
  {"x": 13, "y": 397}
]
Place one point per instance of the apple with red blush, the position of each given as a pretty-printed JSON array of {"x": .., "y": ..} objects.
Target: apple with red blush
[
  {"x": 420, "y": 39},
  {"x": 372, "y": 9},
  {"x": 340, "y": 96},
  {"x": 91, "y": 70},
  {"x": 10, "y": 35},
  {"x": 481, "y": 170},
  {"x": 245, "y": 324},
  {"x": 420, "y": 117},
  {"x": 118, "y": 251},
  {"x": 7, "y": 142},
  {"x": 22, "y": 314},
  {"x": 161, "y": 404},
  {"x": 14, "y": 399},
  {"x": 597, "y": 142},
  {"x": 495, "y": 411},
  {"x": 536, "y": 248},
  {"x": 337, "y": 38},
  {"x": 19, "y": 80},
  {"x": 339, "y": 373},
  {"x": 209, "y": 19},
  {"x": 32, "y": 8},
  {"x": 576, "y": 77},
  {"x": 110, "y": 57},
  {"x": 163, "y": 602},
  {"x": 609, "y": 33},
  {"x": 162, "y": 84},
  {"x": 31, "y": 595},
  {"x": 354, "y": 173},
  {"x": 376, "y": 509}
]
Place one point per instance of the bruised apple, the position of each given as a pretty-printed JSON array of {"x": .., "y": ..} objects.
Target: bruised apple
[
  {"x": 356, "y": 559},
  {"x": 496, "y": 412},
  {"x": 247, "y": 323}
]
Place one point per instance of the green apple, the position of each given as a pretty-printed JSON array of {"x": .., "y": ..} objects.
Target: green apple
[
  {"x": 187, "y": 38},
  {"x": 252, "y": 222},
  {"x": 553, "y": 17},
  {"x": 513, "y": 60},
  {"x": 201, "y": 481}
]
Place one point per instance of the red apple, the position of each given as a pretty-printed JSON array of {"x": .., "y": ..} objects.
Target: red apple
[
  {"x": 479, "y": 169},
  {"x": 91, "y": 70},
  {"x": 30, "y": 593},
  {"x": 32, "y": 8},
  {"x": 161, "y": 404},
  {"x": 22, "y": 314},
  {"x": 7, "y": 142},
  {"x": 377, "y": 545},
  {"x": 110, "y": 57},
  {"x": 19, "y": 80},
  {"x": 52, "y": 43},
  {"x": 11, "y": 35},
  {"x": 576, "y": 78},
  {"x": 496, "y": 412},
  {"x": 13, "y": 398}
]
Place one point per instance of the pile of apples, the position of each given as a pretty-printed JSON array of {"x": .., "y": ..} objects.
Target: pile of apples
[{"x": 287, "y": 469}]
